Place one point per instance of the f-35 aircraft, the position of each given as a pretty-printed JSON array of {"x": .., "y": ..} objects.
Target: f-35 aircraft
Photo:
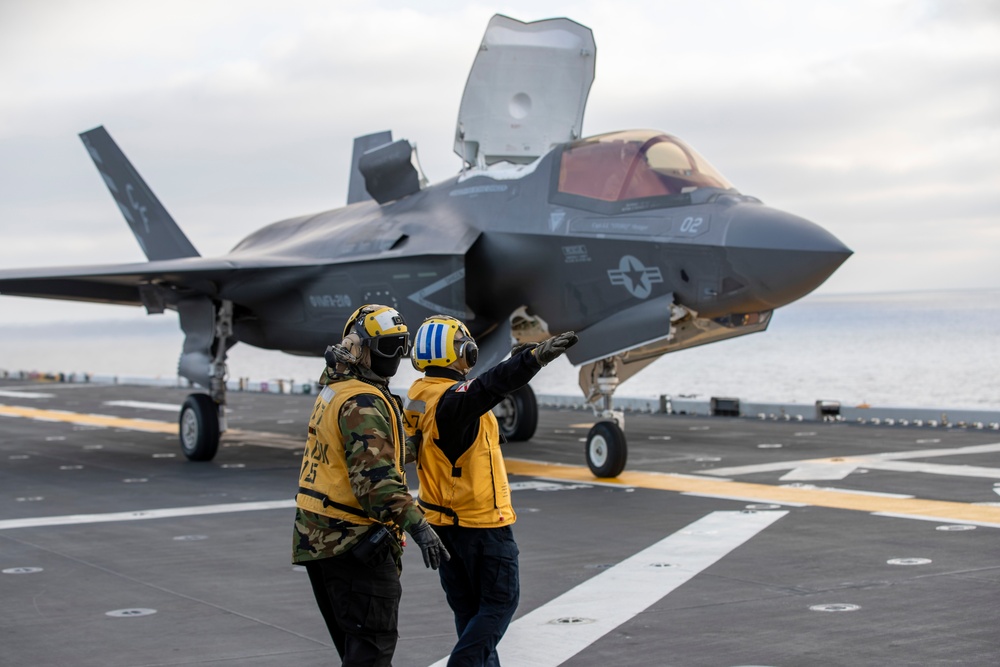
[{"x": 629, "y": 238}]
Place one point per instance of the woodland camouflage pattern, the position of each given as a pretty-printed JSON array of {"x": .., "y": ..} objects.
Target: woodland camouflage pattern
[{"x": 376, "y": 477}]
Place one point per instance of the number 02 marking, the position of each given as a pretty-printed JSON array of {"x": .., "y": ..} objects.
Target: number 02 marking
[{"x": 691, "y": 225}]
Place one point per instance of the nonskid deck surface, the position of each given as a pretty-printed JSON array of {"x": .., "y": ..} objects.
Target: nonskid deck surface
[{"x": 727, "y": 541}]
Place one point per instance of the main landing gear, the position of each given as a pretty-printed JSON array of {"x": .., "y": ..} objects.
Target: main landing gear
[
  {"x": 517, "y": 415},
  {"x": 199, "y": 427},
  {"x": 203, "y": 416}
]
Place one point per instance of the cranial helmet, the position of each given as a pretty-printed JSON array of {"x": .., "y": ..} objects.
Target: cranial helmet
[
  {"x": 435, "y": 343},
  {"x": 381, "y": 329}
]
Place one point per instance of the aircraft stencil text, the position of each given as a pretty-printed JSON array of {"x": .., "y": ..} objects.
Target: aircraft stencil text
[
  {"x": 692, "y": 225},
  {"x": 330, "y": 300}
]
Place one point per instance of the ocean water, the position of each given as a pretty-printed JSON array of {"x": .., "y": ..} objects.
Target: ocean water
[{"x": 911, "y": 349}]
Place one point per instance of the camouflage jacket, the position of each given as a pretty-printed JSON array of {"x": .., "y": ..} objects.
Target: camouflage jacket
[{"x": 366, "y": 424}]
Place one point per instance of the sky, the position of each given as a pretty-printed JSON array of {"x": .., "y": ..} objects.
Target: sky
[{"x": 877, "y": 119}]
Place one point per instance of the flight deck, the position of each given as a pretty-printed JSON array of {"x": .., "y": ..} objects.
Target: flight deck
[{"x": 727, "y": 541}]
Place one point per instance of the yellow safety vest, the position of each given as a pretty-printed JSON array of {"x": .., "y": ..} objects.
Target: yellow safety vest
[
  {"x": 474, "y": 492},
  {"x": 324, "y": 483}
]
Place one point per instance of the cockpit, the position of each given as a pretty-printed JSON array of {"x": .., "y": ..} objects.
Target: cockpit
[{"x": 633, "y": 170}]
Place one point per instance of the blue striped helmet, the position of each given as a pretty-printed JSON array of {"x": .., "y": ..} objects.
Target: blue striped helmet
[{"x": 435, "y": 342}]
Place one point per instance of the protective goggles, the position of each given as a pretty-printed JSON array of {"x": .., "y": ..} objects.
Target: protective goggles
[{"x": 391, "y": 345}]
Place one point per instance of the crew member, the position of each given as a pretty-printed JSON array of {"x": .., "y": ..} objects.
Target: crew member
[
  {"x": 463, "y": 480},
  {"x": 352, "y": 504}
]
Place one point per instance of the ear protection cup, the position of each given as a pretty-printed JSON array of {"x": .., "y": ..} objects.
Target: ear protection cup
[
  {"x": 469, "y": 351},
  {"x": 352, "y": 343}
]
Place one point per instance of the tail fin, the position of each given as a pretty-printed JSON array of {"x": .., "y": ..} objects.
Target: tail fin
[
  {"x": 157, "y": 233},
  {"x": 356, "y": 189}
]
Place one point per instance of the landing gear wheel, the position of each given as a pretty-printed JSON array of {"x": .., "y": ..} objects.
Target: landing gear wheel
[
  {"x": 517, "y": 415},
  {"x": 606, "y": 449},
  {"x": 199, "y": 427}
]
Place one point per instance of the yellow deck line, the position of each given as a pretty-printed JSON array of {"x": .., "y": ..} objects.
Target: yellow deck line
[
  {"x": 89, "y": 420},
  {"x": 858, "y": 502}
]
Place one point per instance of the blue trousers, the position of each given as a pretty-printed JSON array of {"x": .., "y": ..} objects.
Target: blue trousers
[{"x": 482, "y": 586}]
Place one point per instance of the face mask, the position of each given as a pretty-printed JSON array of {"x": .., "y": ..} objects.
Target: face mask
[{"x": 385, "y": 366}]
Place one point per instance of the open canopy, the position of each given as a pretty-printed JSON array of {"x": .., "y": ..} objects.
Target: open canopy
[{"x": 527, "y": 90}]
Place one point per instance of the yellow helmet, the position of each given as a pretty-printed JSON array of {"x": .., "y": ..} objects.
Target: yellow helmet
[
  {"x": 381, "y": 329},
  {"x": 435, "y": 343}
]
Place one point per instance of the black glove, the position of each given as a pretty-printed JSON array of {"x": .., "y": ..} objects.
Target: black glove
[
  {"x": 521, "y": 347},
  {"x": 430, "y": 545},
  {"x": 549, "y": 349}
]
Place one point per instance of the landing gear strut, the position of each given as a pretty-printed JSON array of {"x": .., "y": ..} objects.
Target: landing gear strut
[
  {"x": 203, "y": 416},
  {"x": 607, "y": 449}
]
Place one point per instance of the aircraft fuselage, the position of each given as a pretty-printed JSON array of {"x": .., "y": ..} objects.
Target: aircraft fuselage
[{"x": 481, "y": 245}]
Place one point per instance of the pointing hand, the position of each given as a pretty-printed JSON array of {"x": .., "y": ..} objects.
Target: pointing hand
[{"x": 553, "y": 347}]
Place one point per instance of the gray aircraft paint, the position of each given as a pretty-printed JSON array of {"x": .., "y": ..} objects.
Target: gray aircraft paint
[{"x": 636, "y": 278}]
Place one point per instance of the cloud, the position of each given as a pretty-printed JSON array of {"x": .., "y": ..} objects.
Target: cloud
[{"x": 877, "y": 120}]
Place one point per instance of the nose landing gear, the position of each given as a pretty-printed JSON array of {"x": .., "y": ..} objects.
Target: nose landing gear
[{"x": 606, "y": 450}]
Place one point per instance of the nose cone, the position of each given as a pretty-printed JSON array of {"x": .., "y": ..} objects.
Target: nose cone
[{"x": 781, "y": 257}]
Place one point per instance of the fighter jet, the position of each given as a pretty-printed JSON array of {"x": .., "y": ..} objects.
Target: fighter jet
[{"x": 630, "y": 238}]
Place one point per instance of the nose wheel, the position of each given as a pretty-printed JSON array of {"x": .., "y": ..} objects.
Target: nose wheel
[{"x": 606, "y": 450}]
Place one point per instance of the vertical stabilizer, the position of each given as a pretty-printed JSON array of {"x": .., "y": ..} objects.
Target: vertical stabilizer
[
  {"x": 356, "y": 190},
  {"x": 157, "y": 233}
]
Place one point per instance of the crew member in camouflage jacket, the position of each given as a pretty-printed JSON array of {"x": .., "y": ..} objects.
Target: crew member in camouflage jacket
[{"x": 352, "y": 504}]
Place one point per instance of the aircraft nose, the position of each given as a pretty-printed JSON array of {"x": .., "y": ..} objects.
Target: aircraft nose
[{"x": 780, "y": 256}]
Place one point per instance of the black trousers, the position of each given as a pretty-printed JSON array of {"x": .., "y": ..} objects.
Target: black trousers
[
  {"x": 359, "y": 601},
  {"x": 482, "y": 585}
]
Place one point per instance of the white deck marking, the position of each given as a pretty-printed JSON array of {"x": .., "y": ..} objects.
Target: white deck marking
[
  {"x": 24, "y": 394},
  {"x": 613, "y": 597},
  {"x": 841, "y": 466},
  {"x": 142, "y": 405},
  {"x": 937, "y": 519},
  {"x": 142, "y": 515},
  {"x": 819, "y": 471},
  {"x": 936, "y": 469}
]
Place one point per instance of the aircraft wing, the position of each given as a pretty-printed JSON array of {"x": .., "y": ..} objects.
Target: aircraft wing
[{"x": 135, "y": 284}]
